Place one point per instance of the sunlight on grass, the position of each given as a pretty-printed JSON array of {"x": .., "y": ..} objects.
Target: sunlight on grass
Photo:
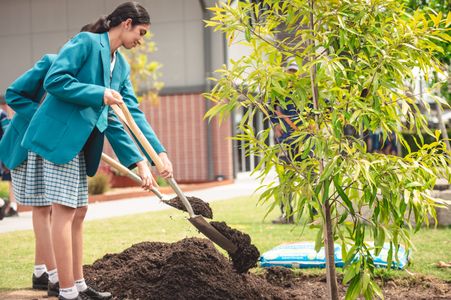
[{"x": 116, "y": 234}]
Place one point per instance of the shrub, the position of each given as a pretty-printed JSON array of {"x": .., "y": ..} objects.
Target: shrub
[
  {"x": 98, "y": 184},
  {"x": 4, "y": 190}
]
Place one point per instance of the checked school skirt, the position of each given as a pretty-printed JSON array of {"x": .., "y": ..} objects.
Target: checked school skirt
[{"x": 39, "y": 182}]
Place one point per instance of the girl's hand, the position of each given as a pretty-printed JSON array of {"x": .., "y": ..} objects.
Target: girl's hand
[
  {"x": 145, "y": 174},
  {"x": 167, "y": 172},
  {"x": 111, "y": 97}
]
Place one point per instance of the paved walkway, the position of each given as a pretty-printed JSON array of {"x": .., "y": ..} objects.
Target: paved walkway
[{"x": 244, "y": 186}]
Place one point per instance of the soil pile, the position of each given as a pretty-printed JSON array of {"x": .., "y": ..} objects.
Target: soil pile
[
  {"x": 189, "y": 269},
  {"x": 247, "y": 255},
  {"x": 193, "y": 269},
  {"x": 199, "y": 206}
]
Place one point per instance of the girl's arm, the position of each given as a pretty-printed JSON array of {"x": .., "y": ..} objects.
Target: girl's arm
[{"x": 25, "y": 93}]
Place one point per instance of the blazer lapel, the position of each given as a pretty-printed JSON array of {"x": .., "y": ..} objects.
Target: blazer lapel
[{"x": 105, "y": 56}]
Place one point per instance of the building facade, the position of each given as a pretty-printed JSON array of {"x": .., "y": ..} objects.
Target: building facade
[{"x": 188, "y": 52}]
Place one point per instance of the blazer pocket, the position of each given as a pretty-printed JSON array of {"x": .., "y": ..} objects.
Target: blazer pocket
[{"x": 49, "y": 133}]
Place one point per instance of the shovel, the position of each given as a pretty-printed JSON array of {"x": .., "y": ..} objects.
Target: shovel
[
  {"x": 198, "y": 221},
  {"x": 124, "y": 170}
]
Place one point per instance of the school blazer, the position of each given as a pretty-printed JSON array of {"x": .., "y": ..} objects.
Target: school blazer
[
  {"x": 65, "y": 123},
  {"x": 23, "y": 96}
]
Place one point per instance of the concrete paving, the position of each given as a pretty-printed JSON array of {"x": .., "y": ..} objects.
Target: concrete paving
[{"x": 244, "y": 185}]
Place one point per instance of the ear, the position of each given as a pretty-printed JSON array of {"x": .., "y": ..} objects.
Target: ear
[{"x": 127, "y": 24}]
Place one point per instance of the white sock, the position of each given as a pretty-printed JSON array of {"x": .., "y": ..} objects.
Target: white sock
[
  {"x": 69, "y": 293},
  {"x": 13, "y": 205},
  {"x": 53, "y": 276},
  {"x": 81, "y": 285},
  {"x": 39, "y": 270},
  {"x": 2, "y": 202}
]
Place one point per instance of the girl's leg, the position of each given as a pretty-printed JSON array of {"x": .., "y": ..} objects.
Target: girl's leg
[
  {"x": 77, "y": 241},
  {"x": 62, "y": 219},
  {"x": 43, "y": 237}
]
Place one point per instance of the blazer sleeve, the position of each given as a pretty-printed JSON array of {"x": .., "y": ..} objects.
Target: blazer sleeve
[
  {"x": 130, "y": 100},
  {"x": 23, "y": 95},
  {"x": 61, "y": 80},
  {"x": 122, "y": 144}
]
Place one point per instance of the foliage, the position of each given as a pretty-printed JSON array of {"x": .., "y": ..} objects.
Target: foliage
[
  {"x": 353, "y": 57},
  {"x": 98, "y": 184},
  {"x": 4, "y": 190},
  {"x": 144, "y": 73},
  {"x": 442, "y": 7}
]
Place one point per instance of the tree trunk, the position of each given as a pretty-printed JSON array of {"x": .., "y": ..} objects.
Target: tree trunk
[
  {"x": 328, "y": 232},
  {"x": 329, "y": 247}
]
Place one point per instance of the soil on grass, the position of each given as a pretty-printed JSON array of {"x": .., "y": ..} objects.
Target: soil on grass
[
  {"x": 194, "y": 269},
  {"x": 247, "y": 255},
  {"x": 189, "y": 269},
  {"x": 199, "y": 206}
]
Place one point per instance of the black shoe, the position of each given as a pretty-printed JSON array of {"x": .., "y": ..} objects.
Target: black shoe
[
  {"x": 41, "y": 282},
  {"x": 79, "y": 297},
  {"x": 12, "y": 213},
  {"x": 93, "y": 294},
  {"x": 53, "y": 289},
  {"x": 2, "y": 211}
]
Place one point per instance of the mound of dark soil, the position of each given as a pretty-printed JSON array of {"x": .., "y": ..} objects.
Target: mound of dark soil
[
  {"x": 193, "y": 269},
  {"x": 189, "y": 269},
  {"x": 199, "y": 206},
  {"x": 247, "y": 255}
]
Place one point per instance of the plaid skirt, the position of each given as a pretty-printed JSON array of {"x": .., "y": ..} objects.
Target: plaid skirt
[{"x": 39, "y": 182}]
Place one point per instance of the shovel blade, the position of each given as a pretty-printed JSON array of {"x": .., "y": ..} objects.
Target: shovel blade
[{"x": 213, "y": 234}]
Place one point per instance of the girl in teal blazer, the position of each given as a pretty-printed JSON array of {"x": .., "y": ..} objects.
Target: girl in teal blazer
[
  {"x": 69, "y": 125},
  {"x": 24, "y": 96}
]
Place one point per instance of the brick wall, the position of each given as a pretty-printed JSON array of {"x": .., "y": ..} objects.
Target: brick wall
[{"x": 178, "y": 122}]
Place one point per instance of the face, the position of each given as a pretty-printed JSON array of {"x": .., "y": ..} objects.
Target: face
[{"x": 132, "y": 35}]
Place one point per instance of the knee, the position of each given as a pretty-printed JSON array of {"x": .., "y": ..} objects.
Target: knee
[
  {"x": 80, "y": 213},
  {"x": 41, "y": 211}
]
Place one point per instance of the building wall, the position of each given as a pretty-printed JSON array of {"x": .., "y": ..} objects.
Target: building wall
[{"x": 32, "y": 28}]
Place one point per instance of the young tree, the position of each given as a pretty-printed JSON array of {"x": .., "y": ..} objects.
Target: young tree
[
  {"x": 353, "y": 58},
  {"x": 144, "y": 73}
]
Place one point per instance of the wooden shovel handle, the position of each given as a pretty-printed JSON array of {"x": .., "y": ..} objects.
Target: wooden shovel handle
[
  {"x": 125, "y": 171},
  {"x": 124, "y": 114}
]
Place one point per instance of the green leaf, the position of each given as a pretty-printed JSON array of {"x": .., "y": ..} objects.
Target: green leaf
[{"x": 343, "y": 195}]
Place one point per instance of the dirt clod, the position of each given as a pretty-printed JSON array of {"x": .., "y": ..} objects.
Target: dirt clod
[
  {"x": 279, "y": 276},
  {"x": 199, "y": 206},
  {"x": 247, "y": 254}
]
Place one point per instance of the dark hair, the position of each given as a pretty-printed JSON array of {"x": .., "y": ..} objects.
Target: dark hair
[{"x": 128, "y": 10}]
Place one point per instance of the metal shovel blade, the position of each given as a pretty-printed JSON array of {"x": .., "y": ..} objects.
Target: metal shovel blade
[{"x": 214, "y": 235}]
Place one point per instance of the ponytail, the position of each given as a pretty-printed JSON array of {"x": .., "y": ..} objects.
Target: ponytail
[
  {"x": 128, "y": 10},
  {"x": 100, "y": 26}
]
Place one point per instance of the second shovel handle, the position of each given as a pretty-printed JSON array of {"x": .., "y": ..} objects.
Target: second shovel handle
[{"x": 124, "y": 170}]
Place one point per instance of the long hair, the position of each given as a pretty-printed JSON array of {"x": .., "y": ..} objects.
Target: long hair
[{"x": 128, "y": 10}]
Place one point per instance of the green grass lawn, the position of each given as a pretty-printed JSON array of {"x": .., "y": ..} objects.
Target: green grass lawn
[{"x": 116, "y": 234}]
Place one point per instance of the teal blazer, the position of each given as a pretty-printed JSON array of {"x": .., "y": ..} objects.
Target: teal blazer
[
  {"x": 64, "y": 124},
  {"x": 23, "y": 96}
]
